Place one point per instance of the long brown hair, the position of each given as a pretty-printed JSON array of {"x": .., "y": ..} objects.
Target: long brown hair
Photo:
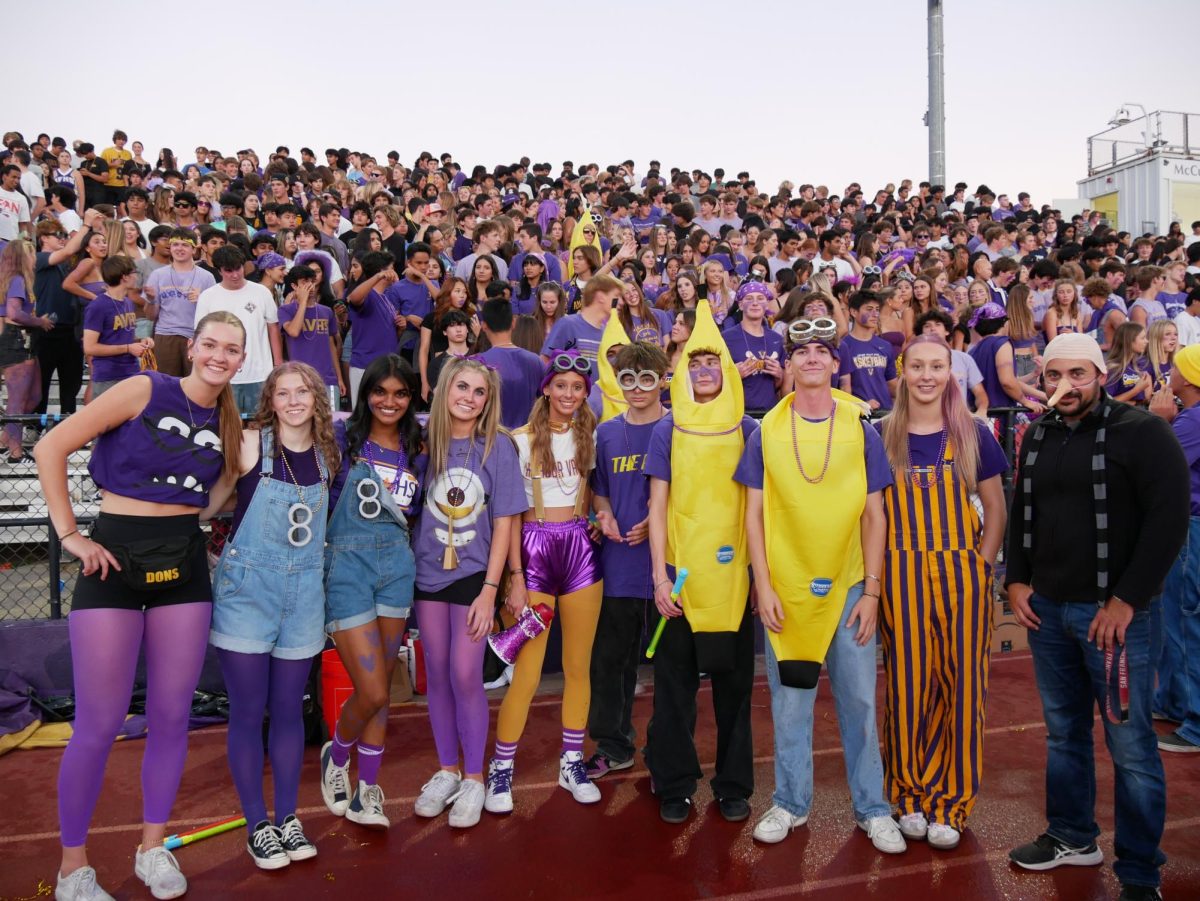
[
  {"x": 442, "y": 303},
  {"x": 486, "y": 426},
  {"x": 1020, "y": 317},
  {"x": 962, "y": 436},
  {"x": 541, "y": 438},
  {"x": 228, "y": 414},
  {"x": 322, "y": 421}
]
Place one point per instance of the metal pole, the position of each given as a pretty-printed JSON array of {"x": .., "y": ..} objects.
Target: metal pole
[{"x": 937, "y": 97}]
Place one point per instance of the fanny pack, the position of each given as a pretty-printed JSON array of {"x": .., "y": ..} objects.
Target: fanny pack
[{"x": 155, "y": 564}]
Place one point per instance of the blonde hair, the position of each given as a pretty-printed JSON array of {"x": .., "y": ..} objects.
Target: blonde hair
[
  {"x": 322, "y": 421},
  {"x": 486, "y": 426},
  {"x": 1154, "y": 348},
  {"x": 228, "y": 415},
  {"x": 962, "y": 437}
]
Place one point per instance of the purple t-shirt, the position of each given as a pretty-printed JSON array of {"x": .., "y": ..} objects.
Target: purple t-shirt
[
  {"x": 751, "y": 469},
  {"x": 923, "y": 452},
  {"x": 573, "y": 332},
  {"x": 520, "y": 374},
  {"x": 760, "y": 390},
  {"x": 1187, "y": 430},
  {"x": 657, "y": 463},
  {"x": 553, "y": 268},
  {"x": 871, "y": 364},
  {"x": 389, "y": 465},
  {"x": 654, "y": 328},
  {"x": 114, "y": 320},
  {"x": 176, "y": 313},
  {"x": 1124, "y": 380},
  {"x": 620, "y": 457},
  {"x": 1173, "y": 303},
  {"x": 312, "y": 345},
  {"x": 410, "y": 299},
  {"x": 372, "y": 330},
  {"x": 492, "y": 488}
]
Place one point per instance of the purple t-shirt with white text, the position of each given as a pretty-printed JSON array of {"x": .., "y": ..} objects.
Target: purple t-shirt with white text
[
  {"x": 871, "y": 364},
  {"x": 114, "y": 320},
  {"x": 312, "y": 345}
]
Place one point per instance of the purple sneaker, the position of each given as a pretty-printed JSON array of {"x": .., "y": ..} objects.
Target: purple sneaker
[{"x": 599, "y": 765}]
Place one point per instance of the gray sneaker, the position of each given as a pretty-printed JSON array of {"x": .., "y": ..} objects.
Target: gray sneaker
[
  {"x": 80, "y": 886},
  {"x": 159, "y": 870},
  {"x": 468, "y": 804},
  {"x": 437, "y": 794}
]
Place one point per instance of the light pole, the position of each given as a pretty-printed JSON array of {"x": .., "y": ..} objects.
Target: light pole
[{"x": 935, "y": 117}]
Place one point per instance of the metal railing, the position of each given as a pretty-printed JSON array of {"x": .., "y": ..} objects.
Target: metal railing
[{"x": 1161, "y": 131}]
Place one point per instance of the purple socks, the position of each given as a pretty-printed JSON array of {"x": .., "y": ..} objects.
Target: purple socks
[
  {"x": 369, "y": 759},
  {"x": 339, "y": 751},
  {"x": 572, "y": 740},
  {"x": 506, "y": 750}
]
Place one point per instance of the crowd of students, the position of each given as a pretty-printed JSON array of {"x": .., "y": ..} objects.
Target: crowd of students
[{"x": 525, "y": 360}]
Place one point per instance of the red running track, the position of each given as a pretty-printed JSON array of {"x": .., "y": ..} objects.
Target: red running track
[{"x": 551, "y": 847}]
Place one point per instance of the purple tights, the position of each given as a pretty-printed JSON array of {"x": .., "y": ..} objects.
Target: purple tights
[
  {"x": 104, "y": 654},
  {"x": 24, "y": 381},
  {"x": 458, "y": 706},
  {"x": 259, "y": 684}
]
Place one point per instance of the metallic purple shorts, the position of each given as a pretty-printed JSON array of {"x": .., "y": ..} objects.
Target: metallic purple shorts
[{"x": 559, "y": 557}]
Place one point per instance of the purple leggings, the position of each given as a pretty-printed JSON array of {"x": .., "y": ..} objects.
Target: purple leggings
[
  {"x": 559, "y": 557},
  {"x": 104, "y": 654},
  {"x": 24, "y": 383},
  {"x": 458, "y": 705}
]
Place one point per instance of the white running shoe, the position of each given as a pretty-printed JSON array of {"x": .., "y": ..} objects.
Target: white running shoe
[
  {"x": 914, "y": 825},
  {"x": 468, "y": 804},
  {"x": 80, "y": 886},
  {"x": 776, "y": 824},
  {"x": 366, "y": 807},
  {"x": 499, "y": 787},
  {"x": 437, "y": 794},
  {"x": 943, "y": 837},
  {"x": 159, "y": 870},
  {"x": 884, "y": 834},
  {"x": 335, "y": 782},
  {"x": 572, "y": 775}
]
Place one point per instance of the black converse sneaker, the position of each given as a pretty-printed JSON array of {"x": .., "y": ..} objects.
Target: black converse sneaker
[
  {"x": 295, "y": 844},
  {"x": 1047, "y": 852},
  {"x": 265, "y": 848}
]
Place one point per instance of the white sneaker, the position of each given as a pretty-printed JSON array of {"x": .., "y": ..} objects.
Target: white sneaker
[
  {"x": 437, "y": 794},
  {"x": 943, "y": 837},
  {"x": 366, "y": 807},
  {"x": 914, "y": 825},
  {"x": 505, "y": 678},
  {"x": 335, "y": 782},
  {"x": 499, "y": 787},
  {"x": 572, "y": 775},
  {"x": 80, "y": 886},
  {"x": 468, "y": 804},
  {"x": 776, "y": 824},
  {"x": 159, "y": 870},
  {"x": 884, "y": 834}
]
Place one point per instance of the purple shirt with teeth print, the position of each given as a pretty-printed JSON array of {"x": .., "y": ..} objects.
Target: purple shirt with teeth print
[{"x": 169, "y": 453}]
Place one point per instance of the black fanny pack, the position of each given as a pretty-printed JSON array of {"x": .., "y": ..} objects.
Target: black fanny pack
[{"x": 154, "y": 564}]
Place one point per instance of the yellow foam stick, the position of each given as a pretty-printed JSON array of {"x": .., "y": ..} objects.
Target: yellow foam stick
[
  {"x": 706, "y": 508},
  {"x": 613, "y": 401},
  {"x": 814, "y": 549}
]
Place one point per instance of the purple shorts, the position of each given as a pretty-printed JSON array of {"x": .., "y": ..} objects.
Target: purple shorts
[{"x": 559, "y": 557}]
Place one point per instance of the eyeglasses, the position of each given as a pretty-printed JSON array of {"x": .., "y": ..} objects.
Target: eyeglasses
[
  {"x": 369, "y": 505},
  {"x": 802, "y": 331},
  {"x": 566, "y": 362},
  {"x": 645, "y": 379},
  {"x": 299, "y": 525},
  {"x": 872, "y": 270}
]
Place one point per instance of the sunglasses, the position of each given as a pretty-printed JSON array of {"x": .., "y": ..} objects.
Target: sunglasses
[
  {"x": 645, "y": 379},
  {"x": 802, "y": 331},
  {"x": 182, "y": 205},
  {"x": 565, "y": 362}
]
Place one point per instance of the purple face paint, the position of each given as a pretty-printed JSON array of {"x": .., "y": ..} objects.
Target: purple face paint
[{"x": 713, "y": 372}]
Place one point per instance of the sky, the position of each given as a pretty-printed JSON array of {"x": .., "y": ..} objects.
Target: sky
[{"x": 821, "y": 92}]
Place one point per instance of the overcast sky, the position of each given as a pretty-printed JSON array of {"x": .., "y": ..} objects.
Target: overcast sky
[{"x": 822, "y": 92}]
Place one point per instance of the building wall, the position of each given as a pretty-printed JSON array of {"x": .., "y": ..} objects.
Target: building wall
[{"x": 1149, "y": 193}]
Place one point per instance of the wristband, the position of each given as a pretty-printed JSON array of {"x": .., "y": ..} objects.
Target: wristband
[
  {"x": 875, "y": 596},
  {"x": 63, "y": 538},
  {"x": 492, "y": 584},
  {"x": 869, "y": 576},
  {"x": 517, "y": 572},
  {"x": 663, "y": 582}
]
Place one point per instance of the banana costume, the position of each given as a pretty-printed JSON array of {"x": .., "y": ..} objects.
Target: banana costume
[
  {"x": 814, "y": 549},
  {"x": 612, "y": 399},
  {"x": 706, "y": 510},
  {"x": 586, "y": 217}
]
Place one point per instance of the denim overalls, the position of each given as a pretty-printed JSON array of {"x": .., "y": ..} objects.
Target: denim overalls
[
  {"x": 369, "y": 565},
  {"x": 268, "y": 595}
]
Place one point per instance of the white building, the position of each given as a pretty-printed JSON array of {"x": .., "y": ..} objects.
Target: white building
[{"x": 1144, "y": 172}]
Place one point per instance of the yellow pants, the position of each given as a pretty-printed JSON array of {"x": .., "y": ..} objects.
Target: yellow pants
[{"x": 577, "y": 615}]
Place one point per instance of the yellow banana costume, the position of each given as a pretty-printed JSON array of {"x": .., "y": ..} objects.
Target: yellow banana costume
[
  {"x": 814, "y": 549},
  {"x": 612, "y": 399},
  {"x": 587, "y": 217},
  {"x": 706, "y": 509}
]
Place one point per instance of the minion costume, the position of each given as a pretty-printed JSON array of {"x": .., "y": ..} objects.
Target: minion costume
[{"x": 705, "y": 533}]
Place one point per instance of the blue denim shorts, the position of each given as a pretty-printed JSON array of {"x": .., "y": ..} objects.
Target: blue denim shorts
[
  {"x": 257, "y": 609},
  {"x": 367, "y": 577}
]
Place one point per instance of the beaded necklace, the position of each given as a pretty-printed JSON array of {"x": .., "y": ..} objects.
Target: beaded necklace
[
  {"x": 828, "y": 447},
  {"x": 933, "y": 475}
]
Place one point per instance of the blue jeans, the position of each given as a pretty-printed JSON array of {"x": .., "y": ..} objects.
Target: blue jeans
[
  {"x": 1178, "y": 696},
  {"x": 247, "y": 397},
  {"x": 1071, "y": 681},
  {"x": 852, "y": 675}
]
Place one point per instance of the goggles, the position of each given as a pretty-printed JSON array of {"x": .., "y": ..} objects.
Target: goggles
[
  {"x": 299, "y": 525},
  {"x": 645, "y": 379},
  {"x": 872, "y": 270},
  {"x": 568, "y": 362},
  {"x": 802, "y": 331}
]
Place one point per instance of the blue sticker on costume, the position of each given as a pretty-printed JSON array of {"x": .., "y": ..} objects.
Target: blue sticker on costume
[
  {"x": 821, "y": 587},
  {"x": 725, "y": 553}
]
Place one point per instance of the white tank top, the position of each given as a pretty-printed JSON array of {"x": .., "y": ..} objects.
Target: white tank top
[{"x": 561, "y": 487}]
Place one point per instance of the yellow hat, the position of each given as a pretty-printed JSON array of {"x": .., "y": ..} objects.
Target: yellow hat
[{"x": 1187, "y": 361}]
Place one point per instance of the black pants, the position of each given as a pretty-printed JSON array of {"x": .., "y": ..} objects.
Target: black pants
[
  {"x": 670, "y": 741},
  {"x": 615, "y": 653},
  {"x": 59, "y": 350}
]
